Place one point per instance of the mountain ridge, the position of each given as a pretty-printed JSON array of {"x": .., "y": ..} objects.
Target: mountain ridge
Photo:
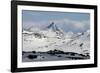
[{"x": 50, "y": 40}]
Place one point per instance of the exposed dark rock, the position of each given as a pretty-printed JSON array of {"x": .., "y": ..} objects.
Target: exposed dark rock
[
  {"x": 73, "y": 54},
  {"x": 23, "y": 52},
  {"x": 51, "y": 52},
  {"x": 42, "y": 57},
  {"x": 33, "y": 51},
  {"x": 81, "y": 45},
  {"x": 38, "y": 35},
  {"x": 55, "y": 52},
  {"x": 59, "y": 56},
  {"x": 82, "y": 33},
  {"x": 32, "y": 56},
  {"x": 67, "y": 53},
  {"x": 87, "y": 54},
  {"x": 81, "y": 55}
]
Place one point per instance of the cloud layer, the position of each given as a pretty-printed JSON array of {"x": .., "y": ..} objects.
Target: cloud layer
[{"x": 65, "y": 24}]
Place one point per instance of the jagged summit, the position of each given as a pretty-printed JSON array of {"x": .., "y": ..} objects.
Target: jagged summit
[
  {"x": 50, "y": 25},
  {"x": 53, "y": 26}
]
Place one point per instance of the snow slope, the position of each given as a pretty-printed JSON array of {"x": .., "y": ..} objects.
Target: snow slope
[{"x": 54, "y": 38}]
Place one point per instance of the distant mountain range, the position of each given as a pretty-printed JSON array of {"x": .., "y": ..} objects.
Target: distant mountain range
[{"x": 53, "y": 37}]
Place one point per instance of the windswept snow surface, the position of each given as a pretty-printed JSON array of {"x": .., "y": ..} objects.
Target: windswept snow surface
[{"x": 54, "y": 38}]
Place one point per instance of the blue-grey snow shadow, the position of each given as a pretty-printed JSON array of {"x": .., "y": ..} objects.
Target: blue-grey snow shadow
[{"x": 52, "y": 55}]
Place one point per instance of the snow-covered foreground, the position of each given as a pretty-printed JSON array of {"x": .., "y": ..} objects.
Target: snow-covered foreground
[{"x": 54, "y": 38}]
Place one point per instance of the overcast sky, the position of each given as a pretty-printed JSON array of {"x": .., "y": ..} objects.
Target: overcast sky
[{"x": 67, "y": 21}]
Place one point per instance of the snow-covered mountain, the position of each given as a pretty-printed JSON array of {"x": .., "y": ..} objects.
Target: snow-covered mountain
[
  {"x": 53, "y": 37},
  {"x": 53, "y": 31}
]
